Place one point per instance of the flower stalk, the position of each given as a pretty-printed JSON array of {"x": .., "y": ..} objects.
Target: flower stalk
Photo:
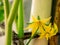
[{"x": 32, "y": 37}]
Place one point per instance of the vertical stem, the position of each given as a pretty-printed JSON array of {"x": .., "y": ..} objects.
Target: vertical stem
[
  {"x": 20, "y": 22},
  {"x": 10, "y": 21},
  {"x": 6, "y": 9}
]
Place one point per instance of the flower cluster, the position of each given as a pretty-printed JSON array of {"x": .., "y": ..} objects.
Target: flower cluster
[{"x": 40, "y": 27}]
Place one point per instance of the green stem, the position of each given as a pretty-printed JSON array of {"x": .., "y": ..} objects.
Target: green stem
[
  {"x": 10, "y": 20},
  {"x": 20, "y": 23},
  {"x": 32, "y": 37},
  {"x": 6, "y": 8},
  {"x": 20, "y": 20},
  {"x": 29, "y": 40}
]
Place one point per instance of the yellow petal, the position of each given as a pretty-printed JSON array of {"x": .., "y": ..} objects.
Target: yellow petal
[
  {"x": 46, "y": 20},
  {"x": 34, "y": 29},
  {"x": 48, "y": 28},
  {"x": 47, "y": 36},
  {"x": 50, "y": 25},
  {"x": 42, "y": 33},
  {"x": 34, "y": 19},
  {"x": 30, "y": 26},
  {"x": 41, "y": 30},
  {"x": 41, "y": 36},
  {"x": 54, "y": 30}
]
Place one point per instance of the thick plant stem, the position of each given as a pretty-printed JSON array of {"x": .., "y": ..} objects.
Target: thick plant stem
[
  {"x": 20, "y": 22},
  {"x": 6, "y": 8},
  {"x": 10, "y": 20}
]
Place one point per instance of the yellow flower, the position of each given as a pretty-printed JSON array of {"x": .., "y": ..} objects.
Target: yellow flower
[
  {"x": 37, "y": 24},
  {"x": 49, "y": 31}
]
